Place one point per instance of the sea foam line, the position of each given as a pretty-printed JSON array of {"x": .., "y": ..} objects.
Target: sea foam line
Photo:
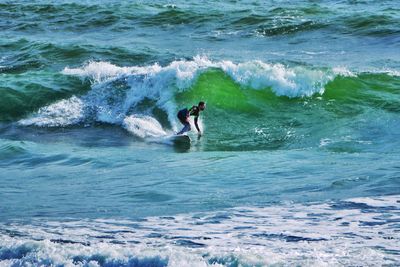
[{"x": 340, "y": 233}]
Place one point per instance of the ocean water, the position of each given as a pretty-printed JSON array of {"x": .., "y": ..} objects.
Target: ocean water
[{"x": 298, "y": 164}]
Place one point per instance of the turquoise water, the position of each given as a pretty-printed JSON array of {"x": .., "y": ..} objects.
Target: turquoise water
[{"x": 298, "y": 164}]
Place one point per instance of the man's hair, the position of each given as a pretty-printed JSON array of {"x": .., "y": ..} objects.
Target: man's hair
[{"x": 201, "y": 103}]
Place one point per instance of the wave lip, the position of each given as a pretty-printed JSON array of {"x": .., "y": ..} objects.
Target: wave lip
[{"x": 284, "y": 81}]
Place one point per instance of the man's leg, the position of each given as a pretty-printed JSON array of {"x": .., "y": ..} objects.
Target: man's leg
[{"x": 186, "y": 128}]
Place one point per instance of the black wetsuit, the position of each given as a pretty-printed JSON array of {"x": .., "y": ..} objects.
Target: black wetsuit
[{"x": 183, "y": 114}]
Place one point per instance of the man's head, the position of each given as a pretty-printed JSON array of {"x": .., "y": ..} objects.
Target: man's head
[{"x": 202, "y": 105}]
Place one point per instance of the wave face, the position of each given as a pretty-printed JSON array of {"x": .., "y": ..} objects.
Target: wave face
[
  {"x": 343, "y": 233},
  {"x": 258, "y": 105}
]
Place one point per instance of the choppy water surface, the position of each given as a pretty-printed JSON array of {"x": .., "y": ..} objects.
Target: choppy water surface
[{"x": 298, "y": 164}]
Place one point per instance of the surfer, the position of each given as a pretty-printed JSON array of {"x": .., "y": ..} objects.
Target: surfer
[{"x": 184, "y": 114}]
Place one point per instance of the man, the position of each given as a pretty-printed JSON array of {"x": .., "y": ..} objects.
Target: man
[{"x": 184, "y": 114}]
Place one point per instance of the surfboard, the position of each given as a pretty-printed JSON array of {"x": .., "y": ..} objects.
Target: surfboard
[
  {"x": 180, "y": 143},
  {"x": 181, "y": 139}
]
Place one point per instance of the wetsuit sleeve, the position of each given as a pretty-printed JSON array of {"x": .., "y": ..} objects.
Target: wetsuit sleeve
[
  {"x": 194, "y": 111},
  {"x": 195, "y": 123}
]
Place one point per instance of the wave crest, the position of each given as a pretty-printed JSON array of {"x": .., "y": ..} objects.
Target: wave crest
[{"x": 284, "y": 81}]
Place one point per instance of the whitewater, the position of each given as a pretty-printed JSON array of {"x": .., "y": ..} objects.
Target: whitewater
[{"x": 298, "y": 164}]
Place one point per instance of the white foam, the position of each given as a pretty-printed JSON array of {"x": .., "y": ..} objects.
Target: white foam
[
  {"x": 172, "y": 6},
  {"x": 378, "y": 201},
  {"x": 62, "y": 113},
  {"x": 97, "y": 71},
  {"x": 392, "y": 72},
  {"x": 284, "y": 81},
  {"x": 144, "y": 126},
  {"x": 343, "y": 71},
  {"x": 324, "y": 142},
  {"x": 317, "y": 234}
]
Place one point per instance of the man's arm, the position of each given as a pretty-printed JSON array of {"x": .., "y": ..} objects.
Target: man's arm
[{"x": 195, "y": 123}]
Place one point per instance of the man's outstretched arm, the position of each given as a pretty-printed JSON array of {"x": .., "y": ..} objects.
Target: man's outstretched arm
[{"x": 197, "y": 126}]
